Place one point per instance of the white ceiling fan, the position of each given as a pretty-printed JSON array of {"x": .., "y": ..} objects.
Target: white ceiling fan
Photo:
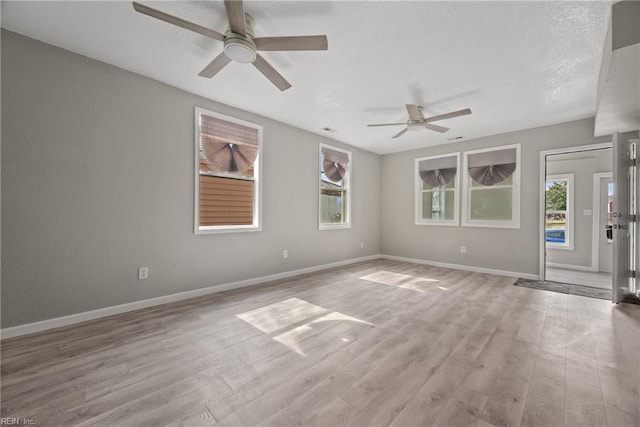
[
  {"x": 240, "y": 43},
  {"x": 417, "y": 121}
]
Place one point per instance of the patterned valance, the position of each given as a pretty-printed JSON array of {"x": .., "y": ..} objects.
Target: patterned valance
[
  {"x": 492, "y": 167},
  {"x": 334, "y": 164},
  {"x": 438, "y": 172},
  {"x": 227, "y": 146}
]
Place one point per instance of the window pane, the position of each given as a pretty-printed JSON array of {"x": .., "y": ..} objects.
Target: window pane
[
  {"x": 556, "y": 227},
  {"x": 225, "y": 201},
  {"x": 491, "y": 204},
  {"x": 438, "y": 204},
  {"x": 331, "y": 206}
]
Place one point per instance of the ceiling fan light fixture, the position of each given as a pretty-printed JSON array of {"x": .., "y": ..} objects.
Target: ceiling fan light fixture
[
  {"x": 240, "y": 50},
  {"x": 412, "y": 126}
]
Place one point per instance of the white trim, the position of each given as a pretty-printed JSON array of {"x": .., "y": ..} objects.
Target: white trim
[
  {"x": 257, "y": 171},
  {"x": 595, "y": 219},
  {"x": 514, "y": 223},
  {"x": 71, "y": 319},
  {"x": 542, "y": 179},
  {"x": 462, "y": 267},
  {"x": 570, "y": 211},
  {"x": 418, "y": 194},
  {"x": 570, "y": 266}
]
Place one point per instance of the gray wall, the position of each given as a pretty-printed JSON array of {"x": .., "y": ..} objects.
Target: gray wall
[
  {"x": 582, "y": 166},
  {"x": 515, "y": 250},
  {"x": 97, "y": 180}
]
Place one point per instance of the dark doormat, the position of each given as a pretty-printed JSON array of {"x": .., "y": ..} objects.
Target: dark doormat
[{"x": 565, "y": 288}]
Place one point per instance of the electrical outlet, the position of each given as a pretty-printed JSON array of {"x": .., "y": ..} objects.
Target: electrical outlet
[
  {"x": 361, "y": 245},
  {"x": 143, "y": 273},
  {"x": 285, "y": 253},
  {"x": 463, "y": 249}
]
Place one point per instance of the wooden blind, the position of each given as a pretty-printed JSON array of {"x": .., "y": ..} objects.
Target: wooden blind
[{"x": 225, "y": 201}]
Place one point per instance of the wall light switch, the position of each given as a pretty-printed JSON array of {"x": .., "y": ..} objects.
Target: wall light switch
[
  {"x": 143, "y": 273},
  {"x": 587, "y": 212}
]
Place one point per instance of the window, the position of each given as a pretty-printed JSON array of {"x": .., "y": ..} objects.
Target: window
[
  {"x": 558, "y": 230},
  {"x": 335, "y": 177},
  {"x": 437, "y": 190},
  {"x": 227, "y": 174},
  {"x": 492, "y": 187}
]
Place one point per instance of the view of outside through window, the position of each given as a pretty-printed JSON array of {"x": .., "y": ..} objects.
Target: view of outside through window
[
  {"x": 556, "y": 211},
  {"x": 331, "y": 201},
  {"x": 438, "y": 202}
]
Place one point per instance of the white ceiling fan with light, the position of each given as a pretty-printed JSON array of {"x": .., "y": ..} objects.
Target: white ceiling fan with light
[
  {"x": 417, "y": 120},
  {"x": 240, "y": 43}
]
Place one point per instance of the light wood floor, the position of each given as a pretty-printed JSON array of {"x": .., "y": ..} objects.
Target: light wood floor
[
  {"x": 584, "y": 278},
  {"x": 377, "y": 343}
]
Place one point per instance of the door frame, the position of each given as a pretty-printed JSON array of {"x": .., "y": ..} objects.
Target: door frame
[
  {"x": 543, "y": 176},
  {"x": 595, "y": 226}
]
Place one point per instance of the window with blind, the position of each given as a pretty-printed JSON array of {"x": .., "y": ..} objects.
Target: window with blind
[
  {"x": 436, "y": 180},
  {"x": 228, "y": 173},
  {"x": 335, "y": 176},
  {"x": 491, "y": 187}
]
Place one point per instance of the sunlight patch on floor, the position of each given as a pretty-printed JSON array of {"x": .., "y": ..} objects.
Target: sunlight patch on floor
[
  {"x": 285, "y": 314},
  {"x": 279, "y": 315},
  {"x": 399, "y": 280}
]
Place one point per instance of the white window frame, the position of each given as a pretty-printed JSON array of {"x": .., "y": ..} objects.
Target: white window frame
[
  {"x": 257, "y": 178},
  {"x": 514, "y": 223},
  {"x": 419, "y": 220},
  {"x": 346, "y": 188},
  {"x": 569, "y": 213}
]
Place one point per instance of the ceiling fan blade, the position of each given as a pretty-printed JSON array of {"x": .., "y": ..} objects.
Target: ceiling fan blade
[
  {"x": 436, "y": 128},
  {"x": 215, "y": 66},
  {"x": 154, "y": 13},
  {"x": 292, "y": 43},
  {"x": 235, "y": 12},
  {"x": 414, "y": 112},
  {"x": 386, "y": 124},
  {"x": 269, "y": 72},
  {"x": 449, "y": 115},
  {"x": 400, "y": 133}
]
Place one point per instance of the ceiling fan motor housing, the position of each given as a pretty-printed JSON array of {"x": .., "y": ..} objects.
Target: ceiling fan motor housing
[
  {"x": 415, "y": 125},
  {"x": 241, "y": 48}
]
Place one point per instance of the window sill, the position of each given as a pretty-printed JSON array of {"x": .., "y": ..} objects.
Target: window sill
[
  {"x": 559, "y": 247},
  {"x": 227, "y": 229},
  {"x": 322, "y": 227},
  {"x": 439, "y": 223},
  {"x": 505, "y": 225}
]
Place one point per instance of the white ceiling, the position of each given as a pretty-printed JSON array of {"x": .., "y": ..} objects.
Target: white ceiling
[{"x": 517, "y": 65}]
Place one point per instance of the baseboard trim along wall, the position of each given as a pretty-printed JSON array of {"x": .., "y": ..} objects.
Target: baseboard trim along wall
[
  {"x": 43, "y": 325},
  {"x": 463, "y": 267},
  {"x": 57, "y": 322},
  {"x": 571, "y": 267}
]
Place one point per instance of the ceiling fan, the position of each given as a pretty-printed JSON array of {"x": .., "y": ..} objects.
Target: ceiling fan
[
  {"x": 417, "y": 121},
  {"x": 240, "y": 43}
]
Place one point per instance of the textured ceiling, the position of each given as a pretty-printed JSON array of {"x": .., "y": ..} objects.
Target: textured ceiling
[{"x": 517, "y": 65}]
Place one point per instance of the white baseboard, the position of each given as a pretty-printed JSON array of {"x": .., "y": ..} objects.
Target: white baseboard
[
  {"x": 29, "y": 328},
  {"x": 571, "y": 267},
  {"x": 463, "y": 267}
]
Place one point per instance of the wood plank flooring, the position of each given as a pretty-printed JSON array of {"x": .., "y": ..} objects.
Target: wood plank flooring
[
  {"x": 585, "y": 278},
  {"x": 371, "y": 344}
]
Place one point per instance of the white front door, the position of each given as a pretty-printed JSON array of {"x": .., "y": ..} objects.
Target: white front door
[{"x": 624, "y": 215}]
